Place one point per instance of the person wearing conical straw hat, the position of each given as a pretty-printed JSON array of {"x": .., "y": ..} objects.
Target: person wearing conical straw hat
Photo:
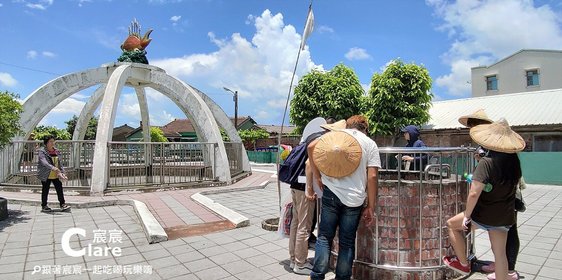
[
  {"x": 477, "y": 118},
  {"x": 512, "y": 247},
  {"x": 313, "y": 191},
  {"x": 491, "y": 200},
  {"x": 346, "y": 164}
]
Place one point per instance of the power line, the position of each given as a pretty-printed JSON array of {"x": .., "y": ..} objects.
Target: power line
[{"x": 30, "y": 69}]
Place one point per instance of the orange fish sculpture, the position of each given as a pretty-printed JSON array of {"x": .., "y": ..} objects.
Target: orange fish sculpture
[{"x": 134, "y": 41}]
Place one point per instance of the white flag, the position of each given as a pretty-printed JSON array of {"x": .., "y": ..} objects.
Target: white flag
[{"x": 308, "y": 27}]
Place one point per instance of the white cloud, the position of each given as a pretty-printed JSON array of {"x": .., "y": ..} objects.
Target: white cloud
[
  {"x": 7, "y": 80},
  {"x": 161, "y": 118},
  {"x": 38, "y": 5},
  {"x": 48, "y": 54},
  {"x": 259, "y": 69},
  {"x": 357, "y": 54},
  {"x": 278, "y": 103},
  {"x": 458, "y": 81},
  {"x": 69, "y": 105},
  {"x": 31, "y": 54},
  {"x": 325, "y": 29},
  {"x": 129, "y": 106},
  {"x": 81, "y": 2},
  {"x": 262, "y": 116},
  {"x": 175, "y": 18},
  {"x": 110, "y": 41},
  {"x": 487, "y": 31}
]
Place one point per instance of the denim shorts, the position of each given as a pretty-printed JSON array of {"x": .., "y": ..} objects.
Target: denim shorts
[{"x": 488, "y": 228}]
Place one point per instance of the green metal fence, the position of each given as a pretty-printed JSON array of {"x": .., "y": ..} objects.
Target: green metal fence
[
  {"x": 262, "y": 157},
  {"x": 542, "y": 167}
]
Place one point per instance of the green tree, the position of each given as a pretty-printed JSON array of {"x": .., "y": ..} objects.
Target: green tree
[
  {"x": 398, "y": 97},
  {"x": 41, "y": 131},
  {"x": 224, "y": 136},
  {"x": 251, "y": 135},
  {"x": 336, "y": 93},
  {"x": 156, "y": 135},
  {"x": 90, "y": 131},
  {"x": 10, "y": 110}
]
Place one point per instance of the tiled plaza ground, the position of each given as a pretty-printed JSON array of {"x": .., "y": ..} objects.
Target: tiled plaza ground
[{"x": 31, "y": 238}]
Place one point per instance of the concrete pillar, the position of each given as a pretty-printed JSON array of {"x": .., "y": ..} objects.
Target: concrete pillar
[
  {"x": 141, "y": 96},
  {"x": 100, "y": 168}
]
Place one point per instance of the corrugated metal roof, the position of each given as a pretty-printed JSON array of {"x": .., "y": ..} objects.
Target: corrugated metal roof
[{"x": 519, "y": 109}]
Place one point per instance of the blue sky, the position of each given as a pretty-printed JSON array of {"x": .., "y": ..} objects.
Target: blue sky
[{"x": 251, "y": 45}]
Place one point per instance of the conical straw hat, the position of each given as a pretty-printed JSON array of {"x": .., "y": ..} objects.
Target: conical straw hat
[
  {"x": 498, "y": 137},
  {"x": 337, "y": 154},
  {"x": 339, "y": 125},
  {"x": 479, "y": 116}
]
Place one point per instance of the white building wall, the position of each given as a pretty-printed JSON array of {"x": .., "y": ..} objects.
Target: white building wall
[{"x": 511, "y": 73}]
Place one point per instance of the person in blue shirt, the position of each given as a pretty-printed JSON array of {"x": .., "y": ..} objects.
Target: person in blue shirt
[{"x": 412, "y": 135}]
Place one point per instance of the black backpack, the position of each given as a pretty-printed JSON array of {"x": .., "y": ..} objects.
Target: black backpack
[{"x": 294, "y": 164}]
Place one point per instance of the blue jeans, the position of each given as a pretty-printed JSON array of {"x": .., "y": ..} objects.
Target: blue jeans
[{"x": 335, "y": 213}]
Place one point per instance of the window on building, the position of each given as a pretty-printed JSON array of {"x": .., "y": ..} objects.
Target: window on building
[
  {"x": 532, "y": 77},
  {"x": 492, "y": 83},
  {"x": 548, "y": 143}
]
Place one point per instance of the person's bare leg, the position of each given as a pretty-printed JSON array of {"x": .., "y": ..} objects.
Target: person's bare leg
[
  {"x": 498, "y": 240},
  {"x": 457, "y": 238}
]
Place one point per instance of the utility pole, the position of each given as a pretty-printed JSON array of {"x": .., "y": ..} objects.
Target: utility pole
[{"x": 235, "y": 99}]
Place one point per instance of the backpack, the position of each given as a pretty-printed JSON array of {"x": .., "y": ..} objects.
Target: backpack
[{"x": 294, "y": 164}]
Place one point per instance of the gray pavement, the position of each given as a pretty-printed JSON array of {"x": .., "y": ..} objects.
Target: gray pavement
[{"x": 32, "y": 240}]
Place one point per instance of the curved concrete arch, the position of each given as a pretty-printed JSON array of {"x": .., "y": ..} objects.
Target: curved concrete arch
[
  {"x": 203, "y": 112},
  {"x": 143, "y": 105},
  {"x": 145, "y": 117},
  {"x": 116, "y": 82},
  {"x": 87, "y": 113},
  {"x": 39, "y": 103},
  {"x": 83, "y": 120},
  {"x": 224, "y": 121},
  {"x": 197, "y": 111}
]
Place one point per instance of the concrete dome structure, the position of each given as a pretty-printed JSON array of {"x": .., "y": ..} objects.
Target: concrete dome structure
[{"x": 205, "y": 114}]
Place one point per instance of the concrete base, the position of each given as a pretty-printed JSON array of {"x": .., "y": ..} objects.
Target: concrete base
[
  {"x": 271, "y": 224},
  {"x": 3, "y": 208},
  {"x": 153, "y": 230}
]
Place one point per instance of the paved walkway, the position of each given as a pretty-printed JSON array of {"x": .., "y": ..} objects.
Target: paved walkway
[
  {"x": 32, "y": 240},
  {"x": 173, "y": 208}
]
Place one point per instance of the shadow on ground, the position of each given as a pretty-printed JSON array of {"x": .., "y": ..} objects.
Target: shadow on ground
[{"x": 14, "y": 217}]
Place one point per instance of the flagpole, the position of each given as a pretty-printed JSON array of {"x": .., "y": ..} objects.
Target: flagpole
[{"x": 301, "y": 46}]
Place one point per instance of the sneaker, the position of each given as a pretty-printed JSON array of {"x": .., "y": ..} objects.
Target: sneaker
[
  {"x": 454, "y": 264},
  {"x": 304, "y": 270},
  {"x": 64, "y": 207},
  {"x": 292, "y": 265},
  {"x": 510, "y": 276},
  {"x": 489, "y": 268},
  {"x": 46, "y": 209}
]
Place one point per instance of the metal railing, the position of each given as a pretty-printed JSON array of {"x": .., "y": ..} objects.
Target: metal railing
[
  {"x": 129, "y": 163},
  {"x": 413, "y": 205},
  {"x": 234, "y": 153}
]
